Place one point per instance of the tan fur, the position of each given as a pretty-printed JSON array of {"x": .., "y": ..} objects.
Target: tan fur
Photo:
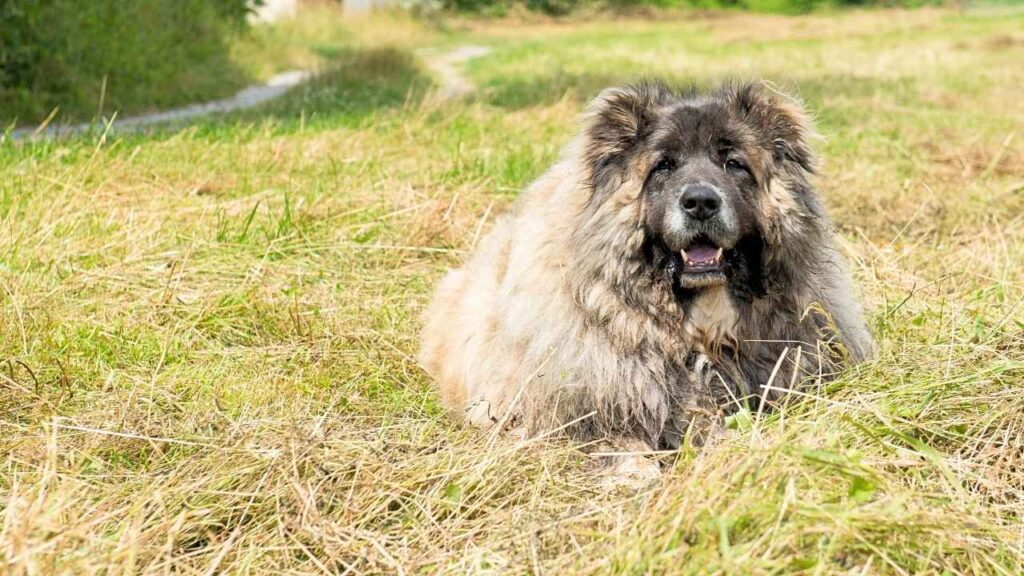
[
  {"x": 554, "y": 324},
  {"x": 712, "y": 320},
  {"x": 557, "y": 336},
  {"x": 782, "y": 211}
]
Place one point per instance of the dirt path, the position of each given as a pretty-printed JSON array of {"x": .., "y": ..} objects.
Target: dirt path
[{"x": 445, "y": 65}]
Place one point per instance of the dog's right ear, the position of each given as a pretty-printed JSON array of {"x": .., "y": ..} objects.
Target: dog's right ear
[{"x": 616, "y": 123}]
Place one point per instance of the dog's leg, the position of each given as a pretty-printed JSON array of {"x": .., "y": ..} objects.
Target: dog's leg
[{"x": 705, "y": 393}]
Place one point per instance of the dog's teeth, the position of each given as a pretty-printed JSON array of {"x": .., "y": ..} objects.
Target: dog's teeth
[{"x": 718, "y": 256}]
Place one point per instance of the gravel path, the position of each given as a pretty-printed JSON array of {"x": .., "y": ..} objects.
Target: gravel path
[
  {"x": 245, "y": 98},
  {"x": 443, "y": 64}
]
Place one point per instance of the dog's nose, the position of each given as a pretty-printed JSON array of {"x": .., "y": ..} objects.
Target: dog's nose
[{"x": 700, "y": 202}]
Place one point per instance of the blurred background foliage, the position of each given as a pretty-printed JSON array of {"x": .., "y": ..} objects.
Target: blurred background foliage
[
  {"x": 71, "y": 60},
  {"x": 84, "y": 56},
  {"x": 563, "y": 7}
]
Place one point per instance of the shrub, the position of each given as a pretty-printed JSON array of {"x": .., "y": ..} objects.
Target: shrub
[{"x": 124, "y": 54}]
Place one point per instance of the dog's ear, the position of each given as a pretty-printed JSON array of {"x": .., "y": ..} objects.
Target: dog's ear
[
  {"x": 781, "y": 122},
  {"x": 616, "y": 123}
]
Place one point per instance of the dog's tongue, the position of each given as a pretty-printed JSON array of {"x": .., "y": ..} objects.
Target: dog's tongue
[{"x": 702, "y": 254}]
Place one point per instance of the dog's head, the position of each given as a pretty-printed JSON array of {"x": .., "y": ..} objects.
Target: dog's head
[{"x": 718, "y": 180}]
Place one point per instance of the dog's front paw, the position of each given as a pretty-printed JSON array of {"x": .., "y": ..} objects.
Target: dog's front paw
[
  {"x": 626, "y": 463},
  {"x": 480, "y": 414}
]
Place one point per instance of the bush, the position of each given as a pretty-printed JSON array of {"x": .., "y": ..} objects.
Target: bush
[{"x": 126, "y": 54}]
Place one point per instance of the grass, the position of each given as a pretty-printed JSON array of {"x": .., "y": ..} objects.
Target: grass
[
  {"x": 207, "y": 335},
  {"x": 61, "y": 60}
]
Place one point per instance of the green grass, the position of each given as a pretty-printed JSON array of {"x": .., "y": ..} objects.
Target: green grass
[
  {"x": 64, "y": 60},
  {"x": 208, "y": 334}
]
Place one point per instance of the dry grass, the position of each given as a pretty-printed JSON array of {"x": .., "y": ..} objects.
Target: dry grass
[{"x": 207, "y": 337}]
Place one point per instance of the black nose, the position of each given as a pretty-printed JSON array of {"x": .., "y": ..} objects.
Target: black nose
[{"x": 700, "y": 202}]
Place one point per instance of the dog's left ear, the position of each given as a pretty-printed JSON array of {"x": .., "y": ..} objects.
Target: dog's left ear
[
  {"x": 616, "y": 123},
  {"x": 781, "y": 121}
]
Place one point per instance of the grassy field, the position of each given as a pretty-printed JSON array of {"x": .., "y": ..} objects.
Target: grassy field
[{"x": 208, "y": 334}]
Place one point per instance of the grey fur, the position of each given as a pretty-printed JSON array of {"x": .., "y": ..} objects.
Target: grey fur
[{"x": 560, "y": 321}]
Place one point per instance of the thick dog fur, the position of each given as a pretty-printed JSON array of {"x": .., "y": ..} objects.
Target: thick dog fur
[{"x": 570, "y": 316}]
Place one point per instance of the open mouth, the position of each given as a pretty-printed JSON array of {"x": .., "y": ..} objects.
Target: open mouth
[
  {"x": 701, "y": 264},
  {"x": 701, "y": 257}
]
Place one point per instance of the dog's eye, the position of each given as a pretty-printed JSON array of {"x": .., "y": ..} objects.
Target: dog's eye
[
  {"x": 736, "y": 165},
  {"x": 664, "y": 165}
]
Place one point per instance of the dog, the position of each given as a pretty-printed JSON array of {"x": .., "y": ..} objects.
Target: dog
[{"x": 675, "y": 266}]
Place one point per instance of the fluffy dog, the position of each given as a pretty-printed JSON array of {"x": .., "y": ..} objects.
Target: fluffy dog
[{"x": 674, "y": 265}]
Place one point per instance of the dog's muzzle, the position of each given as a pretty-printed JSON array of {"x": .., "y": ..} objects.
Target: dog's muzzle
[{"x": 700, "y": 228}]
